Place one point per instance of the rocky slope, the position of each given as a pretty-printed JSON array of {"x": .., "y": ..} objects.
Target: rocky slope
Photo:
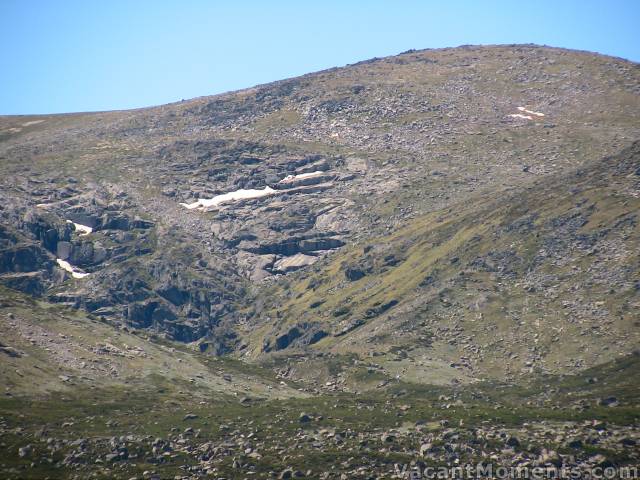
[
  {"x": 426, "y": 259},
  {"x": 543, "y": 279},
  {"x": 51, "y": 348},
  {"x": 182, "y": 218}
]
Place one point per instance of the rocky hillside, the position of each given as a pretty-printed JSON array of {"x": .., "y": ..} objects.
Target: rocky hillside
[
  {"x": 544, "y": 279},
  {"x": 426, "y": 259},
  {"x": 184, "y": 218}
]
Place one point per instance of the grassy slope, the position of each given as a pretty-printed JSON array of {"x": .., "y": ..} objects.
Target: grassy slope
[
  {"x": 63, "y": 350},
  {"x": 509, "y": 266}
]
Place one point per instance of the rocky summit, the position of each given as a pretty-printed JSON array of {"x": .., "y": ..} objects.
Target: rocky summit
[{"x": 426, "y": 260}]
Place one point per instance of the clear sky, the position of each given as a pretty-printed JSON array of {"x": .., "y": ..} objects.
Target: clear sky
[{"x": 68, "y": 55}]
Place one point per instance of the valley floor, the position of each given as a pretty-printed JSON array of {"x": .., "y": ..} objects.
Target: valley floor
[{"x": 121, "y": 434}]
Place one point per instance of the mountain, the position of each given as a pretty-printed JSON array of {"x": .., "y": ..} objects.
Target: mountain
[{"x": 440, "y": 224}]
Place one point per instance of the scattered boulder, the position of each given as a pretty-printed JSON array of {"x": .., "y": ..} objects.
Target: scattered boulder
[
  {"x": 304, "y": 418},
  {"x": 25, "y": 451},
  {"x": 286, "y": 474},
  {"x": 608, "y": 402},
  {"x": 512, "y": 441},
  {"x": 388, "y": 437}
]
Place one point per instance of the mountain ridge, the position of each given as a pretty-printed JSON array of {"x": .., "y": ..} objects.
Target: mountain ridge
[{"x": 329, "y": 69}]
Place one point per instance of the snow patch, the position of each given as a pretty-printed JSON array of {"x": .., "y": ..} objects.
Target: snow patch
[
  {"x": 531, "y": 112},
  {"x": 291, "y": 178},
  {"x": 519, "y": 115},
  {"x": 82, "y": 229},
  {"x": 526, "y": 114},
  {"x": 241, "y": 194},
  {"x": 75, "y": 272}
]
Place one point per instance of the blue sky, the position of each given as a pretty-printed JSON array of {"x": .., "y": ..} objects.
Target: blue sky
[{"x": 62, "y": 56}]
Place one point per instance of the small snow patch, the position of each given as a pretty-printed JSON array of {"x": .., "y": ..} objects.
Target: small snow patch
[
  {"x": 531, "y": 112},
  {"x": 82, "y": 229},
  {"x": 75, "y": 272},
  {"x": 241, "y": 194},
  {"x": 292, "y": 178},
  {"x": 519, "y": 115},
  {"x": 526, "y": 114}
]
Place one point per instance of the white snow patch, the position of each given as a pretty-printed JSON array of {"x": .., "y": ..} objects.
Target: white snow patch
[
  {"x": 241, "y": 194},
  {"x": 531, "y": 112},
  {"x": 528, "y": 113},
  {"x": 519, "y": 115},
  {"x": 291, "y": 178},
  {"x": 82, "y": 229},
  {"x": 75, "y": 272}
]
